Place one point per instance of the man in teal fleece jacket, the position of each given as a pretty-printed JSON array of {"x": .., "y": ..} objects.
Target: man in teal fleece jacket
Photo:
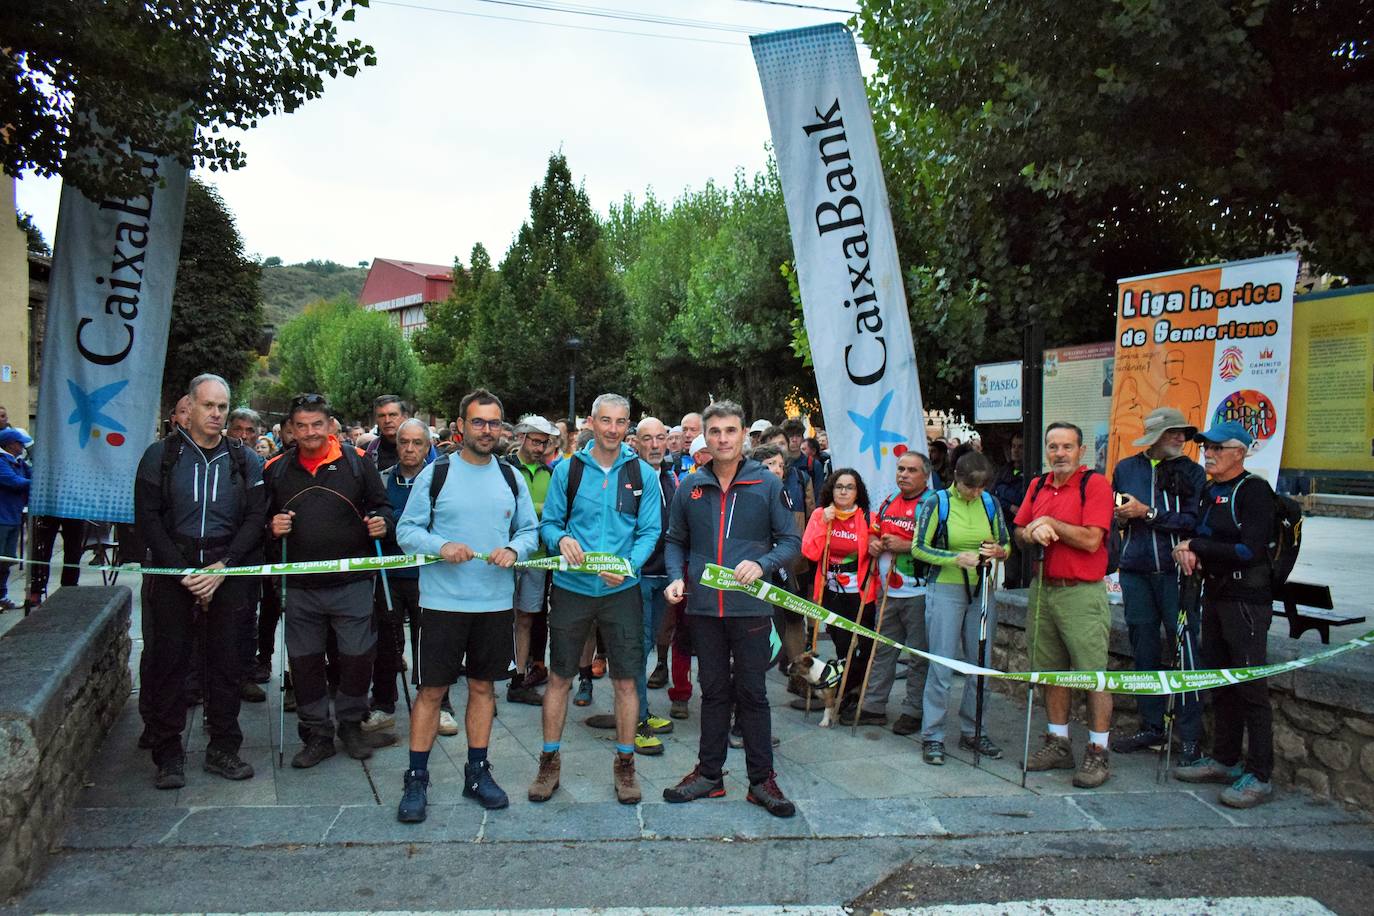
[{"x": 615, "y": 509}]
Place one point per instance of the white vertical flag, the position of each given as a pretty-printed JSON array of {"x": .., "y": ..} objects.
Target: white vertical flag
[
  {"x": 847, "y": 268},
  {"x": 109, "y": 306}
]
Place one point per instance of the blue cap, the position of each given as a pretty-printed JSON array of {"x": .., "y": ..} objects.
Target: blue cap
[
  {"x": 1221, "y": 433},
  {"x": 14, "y": 434}
]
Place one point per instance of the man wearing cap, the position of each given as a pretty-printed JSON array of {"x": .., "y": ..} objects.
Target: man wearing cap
[
  {"x": 536, "y": 437},
  {"x": 15, "y": 476},
  {"x": 1231, "y": 550},
  {"x": 756, "y": 432},
  {"x": 1157, "y": 496}
]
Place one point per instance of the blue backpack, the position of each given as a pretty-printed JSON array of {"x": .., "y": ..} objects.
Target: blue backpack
[{"x": 941, "y": 539}]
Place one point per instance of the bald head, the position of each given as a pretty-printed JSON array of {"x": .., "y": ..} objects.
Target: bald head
[
  {"x": 651, "y": 440},
  {"x": 691, "y": 428}
]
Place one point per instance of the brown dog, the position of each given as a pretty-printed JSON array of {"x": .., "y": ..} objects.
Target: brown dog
[{"x": 822, "y": 676}]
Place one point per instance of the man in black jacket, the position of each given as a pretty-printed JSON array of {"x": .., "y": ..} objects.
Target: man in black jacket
[
  {"x": 328, "y": 503},
  {"x": 198, "y": 502},
  {"x": 730, "y": 513},
  {"x": 1231, "y": 548}
]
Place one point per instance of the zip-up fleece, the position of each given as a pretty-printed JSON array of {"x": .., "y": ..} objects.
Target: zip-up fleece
[
  {"x": 331, "y": 507},
  {"x": 600, "y": 520},
  {"x": 204, "y": 503},
  {"x": 748, "y": 521},
  {"x": 1173, "y": 487}
]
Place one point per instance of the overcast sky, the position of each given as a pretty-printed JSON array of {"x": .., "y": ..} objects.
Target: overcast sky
[{"x": 438, "y": 146}]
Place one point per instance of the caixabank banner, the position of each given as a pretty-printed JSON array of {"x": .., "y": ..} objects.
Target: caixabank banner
[{"x": 1212, "y": 342}]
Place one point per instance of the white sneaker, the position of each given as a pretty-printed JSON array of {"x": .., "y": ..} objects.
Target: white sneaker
[
  {"x": 377, "y": 720},
  {"x": 447, "y": 725}
]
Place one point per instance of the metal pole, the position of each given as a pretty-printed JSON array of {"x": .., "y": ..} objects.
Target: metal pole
[
  {"x": 391, "y": 614},
  {"x": 988, "y": 576},
  {"x": 1030, "y": 688},
  {"x": 281, "y": 654}
]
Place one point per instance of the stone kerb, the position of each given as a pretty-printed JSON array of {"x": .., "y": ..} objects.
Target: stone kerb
[
  {"x": 64, "y": 676},
  {"x": 1323, "y": 715}
]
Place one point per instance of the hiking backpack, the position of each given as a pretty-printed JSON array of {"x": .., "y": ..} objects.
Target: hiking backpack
[{"x": 1114, "y": 533}]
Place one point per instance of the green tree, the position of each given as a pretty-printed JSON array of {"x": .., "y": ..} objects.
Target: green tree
[
  {"x": 220, "y": 66},
  {"x": 37, "y": 244},
  {"x": 1039, "y": 151},
  {"x": 449, "y": 372},
  {"x": 366, "y": 355},
  {"x": 304, "y": 341},
  {"x": 216, "y": 306}
]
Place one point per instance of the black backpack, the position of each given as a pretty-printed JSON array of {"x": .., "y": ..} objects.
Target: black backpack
[
  {"x": 630, "y": 477},
  {"x": 1114, "y": 533},
  {"x": 1285, "y": 538},
  {"x": 130, "y": 547},
  {"x": 436, "y": 485}
]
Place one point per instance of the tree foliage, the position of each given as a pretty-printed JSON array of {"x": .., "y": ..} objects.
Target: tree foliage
[
  {"x": 1039, "y": 151},
  {"x": 301, "y": 347},
  {"x": 34, "y": 235},
  {"x": 216, "y": 306},
  {"x": 169, "y": 76},
  {"x": 366, "y": 355}
]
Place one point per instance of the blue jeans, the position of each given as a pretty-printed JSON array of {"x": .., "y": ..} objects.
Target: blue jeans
[
  {"x": 9, "y": 543},
  {"x": 952, "y": 624},
  {"x": 651, "y": 590},
  {"x": 1151, "y": 604}
]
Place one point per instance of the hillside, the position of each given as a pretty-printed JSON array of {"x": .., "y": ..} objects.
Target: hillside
[{"x": 288, "y": 288}]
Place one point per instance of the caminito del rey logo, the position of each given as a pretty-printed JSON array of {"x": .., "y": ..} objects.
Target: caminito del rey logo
[
  {"x": 88, "y": 416},
  {"x": 1231, "y": 364},
  {"x": 1251, "y": 409}
]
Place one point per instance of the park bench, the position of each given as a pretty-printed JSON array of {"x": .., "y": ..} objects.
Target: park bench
[{"x": 1309, "y": 607}]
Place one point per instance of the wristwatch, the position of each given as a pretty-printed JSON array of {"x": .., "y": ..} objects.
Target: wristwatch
[{"x": 1151, "y": 514}]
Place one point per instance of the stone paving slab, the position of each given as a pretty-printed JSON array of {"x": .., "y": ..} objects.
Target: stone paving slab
[
  {"x": 444, "y": 823},
  {"x": 1147, "y": 811},
  {"x": 892, "y": 817}
]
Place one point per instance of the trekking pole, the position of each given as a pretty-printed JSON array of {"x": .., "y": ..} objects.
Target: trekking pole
[
  {"x": 817, "y": 592},
  {"x": 398, "y": 641},
  {"x": 868, "y": 669},
  {"x": 281, "y": 654},
  {"x": 849, "y": 654},
  {"x": 1030, "y": 687},
  {"x": 1190, "y": 590},
  {"x": 988, "y": 576}
]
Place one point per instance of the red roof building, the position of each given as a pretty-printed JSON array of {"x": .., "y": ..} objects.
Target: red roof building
[{"x": 403, "y": 288}]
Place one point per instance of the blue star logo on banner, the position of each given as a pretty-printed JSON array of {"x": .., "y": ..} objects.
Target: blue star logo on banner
[
  {"x": 874, "y": 436},
  {"x": 88, "y": 416}
]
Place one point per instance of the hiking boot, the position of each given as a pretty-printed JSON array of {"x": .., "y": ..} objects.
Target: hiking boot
[
  {"x": 1055, "y": 754},
  {"x": 906, "y": 725},
  {"x": 250, "y": 692},
  {"x": 448, "y": 726},
  {"x": 7, "y": 605},
  {"x": 1189, "y": 753},
  {"x": 1246, "y": 792},
  {"x": 288, "y": 699},
  {"x": 546, "y": 782},
  {"x": 626, "y": 784},
  {"x": 658, "y": 678},
  {"x": 933, "y": 753},
  {"x": 598, "y": 667},
  {"x": 411, "y": 810},
  {"x": 660, "y": 725},
  {"x": 1094, "y": 769},
  {"x": 646, "y": 742},
  {"x": 379, "y": 719},
  {"x": 865, "y": 718},
  {"x": 984, "y": 746},
  {"x": 678, "y": 709},
  {"x": 602, "y": 720},
  {"x": 261, "y": 672},
  {"x": 171, "y": 775},
  {"x": 1206, "y": 769},
  {"x": 358, "y": 744},
  {"x": 479, "y": 784},
  {"x": 223, "y": 763},
  {"x": 317, "y": 749},
  {"x": 524, "y": 694},
  {"x": 1145, "y": 739},
  {"x": 694, "y": 786},
  {"x": 769, "y": 797},
  {"x": 583, "y": 697},
  {"x": 537, "y": 675}
]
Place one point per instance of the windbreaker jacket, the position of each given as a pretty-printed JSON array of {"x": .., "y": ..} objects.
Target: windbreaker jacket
[
  {"x": 1174, "y": 488},
  {"x": 15, "y": 477},
  {"x": 708, "y": 524},
  {"x": 601, "y": 518}
]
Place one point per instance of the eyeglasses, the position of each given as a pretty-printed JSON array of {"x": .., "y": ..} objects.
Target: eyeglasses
[
  {"x": 846, "y": 486},
  {"x": 479, "y": 424},
  {"x": 537, "y": 441},
  {"x": 1213, "y": 447}
]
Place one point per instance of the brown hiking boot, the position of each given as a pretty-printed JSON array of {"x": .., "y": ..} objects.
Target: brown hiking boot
[
  {"x": 1055, "y": 754},
  {"x": 1094, "y": 770},
  {"x": 546, "y": 782},
  {"x": 626, "y": 784}
]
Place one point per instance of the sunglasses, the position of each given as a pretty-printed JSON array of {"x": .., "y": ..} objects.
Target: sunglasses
[{"x": 307, "y": 400}]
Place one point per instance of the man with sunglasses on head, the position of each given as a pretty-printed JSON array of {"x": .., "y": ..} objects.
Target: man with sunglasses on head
[
  {"x": 1231, "y": 548},
  {"x": 327, "y": 502}
]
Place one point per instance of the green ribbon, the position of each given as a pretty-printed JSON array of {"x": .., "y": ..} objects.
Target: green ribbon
[
  {"x": 593, "y": 563},
  {"x": 1137, "y": 683}
]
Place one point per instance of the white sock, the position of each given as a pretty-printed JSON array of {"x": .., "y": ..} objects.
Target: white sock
[
  {"x": 1059, "y": 731},
  {"x": 1099, "y": 738}
]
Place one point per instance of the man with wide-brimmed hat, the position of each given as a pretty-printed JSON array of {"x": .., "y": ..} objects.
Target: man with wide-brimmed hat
[{"x": 1157, "y": 505}]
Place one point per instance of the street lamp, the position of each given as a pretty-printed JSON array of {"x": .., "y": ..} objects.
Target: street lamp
[{"x": 574, "y": 344}]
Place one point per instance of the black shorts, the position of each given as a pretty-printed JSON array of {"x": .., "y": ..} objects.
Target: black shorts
[
  {"x": 619, "y": 617},
  {"x": 454, "y": 644}
]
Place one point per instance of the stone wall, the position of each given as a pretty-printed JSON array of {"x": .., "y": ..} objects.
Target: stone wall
[
  {"x": 1323, "y": 715},
  {"x": 64, "y": 676}
]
